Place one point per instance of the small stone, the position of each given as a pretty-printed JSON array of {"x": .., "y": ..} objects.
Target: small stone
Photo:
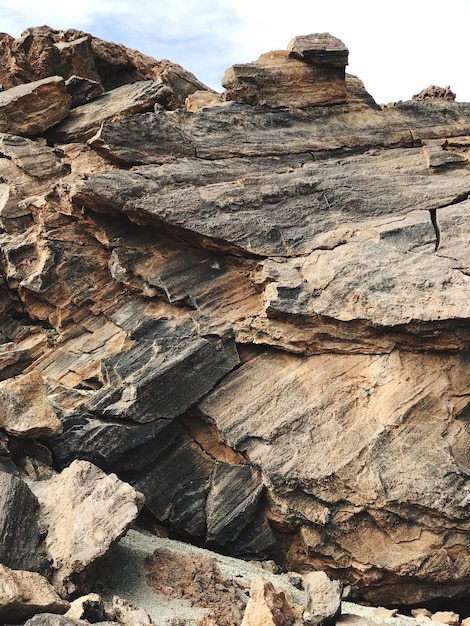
[
  {"x": 421, "y": 614},
  {"x": 323, "y": 598},
  {"x": 383, "y": 613},
  {"x": 89, "y": 607},
  {"x": 130, "y": 615},
  {"x": 465, "y": 622},
  {"x": 48, "y": 619},
  {"x": 270, "y": 607},
  {"x": 446, "y": 617},
  {"x": 82, "y": 89}
]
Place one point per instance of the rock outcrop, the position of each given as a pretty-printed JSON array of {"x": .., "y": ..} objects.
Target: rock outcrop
[{"x": 255, "y": 313}]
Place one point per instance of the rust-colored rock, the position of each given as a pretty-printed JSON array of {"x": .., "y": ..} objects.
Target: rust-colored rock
[
  {"x": 270, "y": 607},
  {"x": 34, "y": 107}
]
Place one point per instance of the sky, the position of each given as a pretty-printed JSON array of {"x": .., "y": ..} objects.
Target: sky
[{"x": 396, "y": 48}]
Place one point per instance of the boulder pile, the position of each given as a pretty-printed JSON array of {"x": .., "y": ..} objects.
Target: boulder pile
[{"x": 242, "y": 317}]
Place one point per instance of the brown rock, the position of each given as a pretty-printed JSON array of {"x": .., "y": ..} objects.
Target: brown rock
[
  {"x": 433, "y": 92},
  {"x": 319, "y": 49},
  {"x": 201, "y": 99},
  {"x": 22, "y": 594},
  {"x": 277, "y": 79},
  {"x": 86, "y": 511},
  {"x": 423, "y": 615},
  {"x": 85, "y": 120},
  {"x": 33, "y": 108},
  {"x": 82, "y": 90},
  {"x": 270, "y": 607},
  {"x": 323, "y": 598},
  {"x": 24, "y": 409},
  {"x": 446, "y": 617},
  {"x": 177, "y": 575}
]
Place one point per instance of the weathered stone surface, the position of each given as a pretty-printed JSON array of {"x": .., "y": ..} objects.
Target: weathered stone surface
[
  {"x": 176, "y": 575},
  {"x": 446, "y": 617},
  {"x": 442, "y": 93},
  {"x": 24, "y": 409},
  {"x": 346, "y": 482},
  {"x": 20, "y": 538},
  {"x": 30, "y": 109},
  {"x": 129, "y": 615},
  {"x": 82, "y": 90},
  {"x": 42, "y": 52},
  {"x": 277, "y": 79},
  {"x": 319, "y": 48},
  {"x": 270, "y": 607},
  {"x": 272, "y": 288},
  {"x": 79, "y": 499},
  {"x": 23, "y": 593},
  {"x": 34, "y": 158},
  {"x": 85, "y": 120},
  {"x": 323, "y": 598},
  {"x": 232, "y": 501}
]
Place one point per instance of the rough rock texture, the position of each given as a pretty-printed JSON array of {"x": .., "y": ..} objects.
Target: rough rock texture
[
  {"x": 257, "y": 316},
  {"x": 20, "y": 536},
  {"x": 24, "y": 409},
  {"x": 23, "y": 594},
  {"x": 323, "y": 598},
  {"x": 42, "y": 52},
  {"x": 32, "y": 108},
  {"x": 269, "y": 607},
  {"x": 310, "y": 72},
  {"x": 81, "y": 498}
]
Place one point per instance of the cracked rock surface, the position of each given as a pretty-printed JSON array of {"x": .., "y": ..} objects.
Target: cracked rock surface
[{"x": 255, "y": 314}]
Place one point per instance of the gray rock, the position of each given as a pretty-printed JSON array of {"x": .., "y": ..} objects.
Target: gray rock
[
  {"x": 20, "y": 537},
  {"x": 82, "y": 90}
]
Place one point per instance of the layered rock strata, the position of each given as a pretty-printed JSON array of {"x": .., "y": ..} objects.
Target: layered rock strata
[{"x": 258, "y": 316}]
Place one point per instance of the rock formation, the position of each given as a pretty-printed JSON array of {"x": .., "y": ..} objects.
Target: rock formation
[{"x": 254, "y": 310}]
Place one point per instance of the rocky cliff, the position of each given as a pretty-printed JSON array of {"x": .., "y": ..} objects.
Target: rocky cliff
[{"x": 252, "y": 307}]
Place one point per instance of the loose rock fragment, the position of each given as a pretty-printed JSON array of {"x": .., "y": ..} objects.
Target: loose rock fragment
[
  {"x": 270, "y": 607},
  {"x": 24, "y": 408},
  {"x": 86, "y": 511},
  {"x": 23, "y": 593},
  {"x": 323, "y": 598}
]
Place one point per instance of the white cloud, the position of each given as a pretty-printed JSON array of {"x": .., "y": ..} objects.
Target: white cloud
[{"x": 396, "y": 48}]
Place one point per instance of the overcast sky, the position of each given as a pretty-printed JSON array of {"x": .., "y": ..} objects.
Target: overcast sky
[{"x": 397, "y": 48}]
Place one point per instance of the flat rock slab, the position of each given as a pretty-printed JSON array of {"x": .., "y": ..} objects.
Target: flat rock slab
[
  {"x": 84, "y": 121},
  {"x": 34, "y": 107}
]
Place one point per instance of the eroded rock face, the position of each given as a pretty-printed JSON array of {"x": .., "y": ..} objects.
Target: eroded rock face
[{"x": 258, "y": 316}]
